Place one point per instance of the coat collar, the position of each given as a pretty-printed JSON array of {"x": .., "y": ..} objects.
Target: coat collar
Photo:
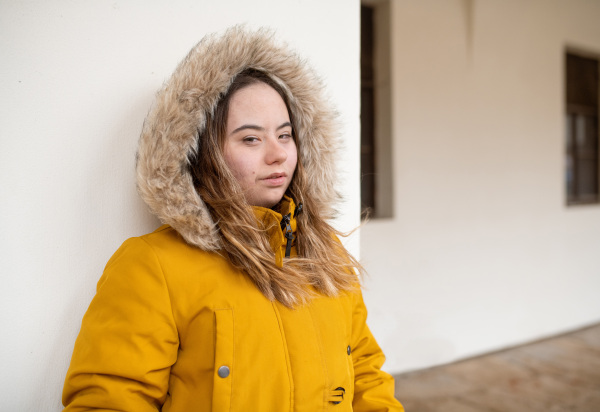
[{"x": 271, "y": 221}]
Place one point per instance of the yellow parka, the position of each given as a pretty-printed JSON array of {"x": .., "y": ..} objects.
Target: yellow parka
[
  {"x": 174, "y": 326},
  {"x": 182, "y": 329}
]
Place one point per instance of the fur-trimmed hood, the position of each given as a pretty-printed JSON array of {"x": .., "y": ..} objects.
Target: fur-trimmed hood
[{"x": 178, "y": 116}]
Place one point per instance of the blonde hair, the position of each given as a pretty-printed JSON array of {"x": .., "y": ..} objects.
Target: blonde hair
[{"x": 322, "y": 263}]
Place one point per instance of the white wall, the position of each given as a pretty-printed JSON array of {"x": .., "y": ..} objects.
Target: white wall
[
  {"x": 482, "y": 252},
  {"x": 76, "y": 81}
]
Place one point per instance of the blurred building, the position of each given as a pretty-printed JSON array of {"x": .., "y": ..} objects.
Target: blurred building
[{"x": 481, "y": 172}]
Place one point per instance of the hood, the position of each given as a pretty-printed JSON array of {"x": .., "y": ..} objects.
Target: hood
[{"x": 170, "y": 132}]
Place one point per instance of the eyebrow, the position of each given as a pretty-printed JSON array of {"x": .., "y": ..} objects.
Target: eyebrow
[{"x": 259, "y": 128}]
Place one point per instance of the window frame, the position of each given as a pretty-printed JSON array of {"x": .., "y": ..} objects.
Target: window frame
[{"x": 577, "y": 113}]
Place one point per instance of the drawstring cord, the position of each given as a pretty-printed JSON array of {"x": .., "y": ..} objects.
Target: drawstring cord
[
  {"x": 289, "y": 235},
  {"x": 285, "y": 225}
]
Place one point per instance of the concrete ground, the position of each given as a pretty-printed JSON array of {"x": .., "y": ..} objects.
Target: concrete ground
[{"x": 557, "y": 374}]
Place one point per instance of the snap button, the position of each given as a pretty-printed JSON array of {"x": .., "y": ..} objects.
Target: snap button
[
  {"x": 223, "y": 371},
  {"x": 348, "y": 350}
]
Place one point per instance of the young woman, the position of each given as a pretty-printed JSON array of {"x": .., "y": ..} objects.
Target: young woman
[{"x": 244, "y": 300}]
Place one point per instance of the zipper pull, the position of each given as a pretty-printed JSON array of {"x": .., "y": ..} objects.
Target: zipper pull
[
  {"x": 288, "y": 246},
  {"x": 285, "y": 221},
  {"x": 285, "y": 225}
]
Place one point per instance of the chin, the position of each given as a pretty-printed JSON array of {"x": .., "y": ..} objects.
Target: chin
[
  {"x": 267, "y": 201},
  {"x": 269, "y": 204}
]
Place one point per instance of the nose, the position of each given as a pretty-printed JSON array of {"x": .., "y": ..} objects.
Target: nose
[{"x": 275, "y": 152}]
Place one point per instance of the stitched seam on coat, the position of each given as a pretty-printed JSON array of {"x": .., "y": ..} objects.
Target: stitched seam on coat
[
  {"x": 320, "y": 344},
  {"x": 286, "y": 353},
  {"x": 162, "y": 272},
  {"x": 233, "y": 372},
  {"x": 348, "y": 336}
]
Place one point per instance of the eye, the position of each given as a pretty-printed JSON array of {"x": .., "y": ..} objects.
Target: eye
[
  {"x": 250, "y": 139},
  {"x": 285, "y": 136}
]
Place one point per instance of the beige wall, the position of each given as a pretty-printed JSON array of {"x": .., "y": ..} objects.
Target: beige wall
[
  {"x": 76, "y": 81},
  {"x": 482, "y": 252}
]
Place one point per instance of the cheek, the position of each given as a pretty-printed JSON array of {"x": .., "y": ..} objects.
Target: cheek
[
  {"x": 241, "y": 167},
  {"x": 293, "y": 158}
]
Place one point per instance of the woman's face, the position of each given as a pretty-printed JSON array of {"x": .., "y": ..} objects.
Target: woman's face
[{"x": 259, "y": 148}]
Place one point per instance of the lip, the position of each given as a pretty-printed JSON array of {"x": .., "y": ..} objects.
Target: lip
[{"x": 275, "y": 179}]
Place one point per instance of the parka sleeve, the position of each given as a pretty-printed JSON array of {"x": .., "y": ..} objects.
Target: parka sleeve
[
  {"x": 128, "y": 339},
  {"x": 373, "y": 388}
]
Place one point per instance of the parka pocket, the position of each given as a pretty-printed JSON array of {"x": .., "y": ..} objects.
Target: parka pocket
[{"x": 224, "y": 371}]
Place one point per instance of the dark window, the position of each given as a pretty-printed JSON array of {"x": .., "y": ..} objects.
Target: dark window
[
  {"x": 367, "y": 111},
  {"x": 582, "y": 90},
  {"x": 376, "y": 171}
]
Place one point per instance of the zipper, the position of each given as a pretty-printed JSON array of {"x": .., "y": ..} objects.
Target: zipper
[{"x": 285, "y": 225}]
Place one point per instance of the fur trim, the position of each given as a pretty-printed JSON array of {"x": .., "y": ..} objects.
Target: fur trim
[{"x": 170, "y": 132}]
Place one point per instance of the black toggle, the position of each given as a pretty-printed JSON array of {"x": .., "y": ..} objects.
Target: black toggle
[
  {"x": 285, "y": 225},
  {"x": 338, "y": 394}
]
